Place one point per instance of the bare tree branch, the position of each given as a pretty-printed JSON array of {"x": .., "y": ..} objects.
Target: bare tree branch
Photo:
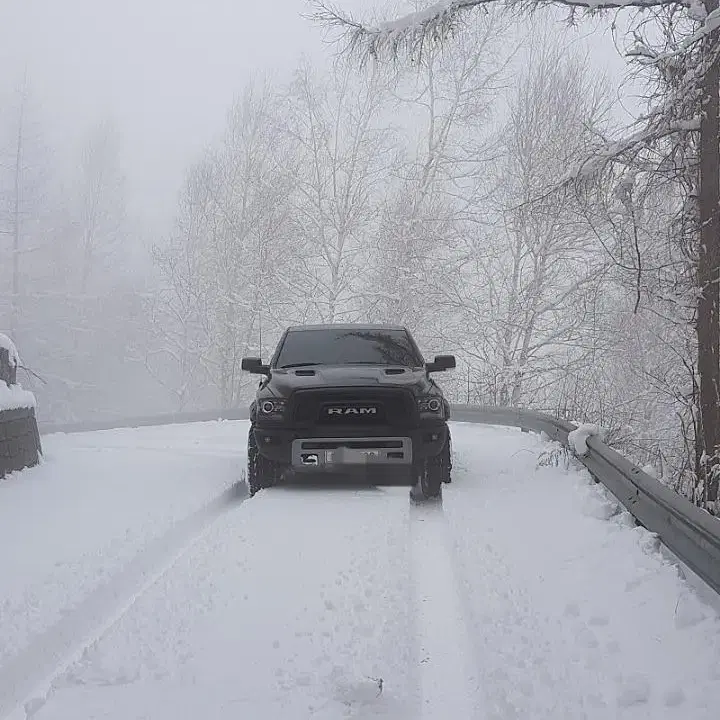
[{"x": 410, "y": 35}]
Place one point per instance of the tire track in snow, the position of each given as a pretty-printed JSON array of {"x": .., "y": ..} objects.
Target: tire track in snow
[
  {"x": 27, "y": 678},
  {"x": 449, "y": 678}
]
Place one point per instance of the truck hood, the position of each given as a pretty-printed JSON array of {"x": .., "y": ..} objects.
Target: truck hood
[{"x": 283, "y": 382}]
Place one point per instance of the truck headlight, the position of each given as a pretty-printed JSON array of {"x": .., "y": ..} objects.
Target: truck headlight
[
  {"x": 272, "y": 407},
  {"x": 430, "y": 404}
]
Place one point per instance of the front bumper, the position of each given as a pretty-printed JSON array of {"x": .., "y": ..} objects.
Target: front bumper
[
  {"x": 307, "y": 451},
  {"x": 333, "y": 453}
]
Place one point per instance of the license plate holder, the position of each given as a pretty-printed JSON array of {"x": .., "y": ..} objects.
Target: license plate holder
[{"x": 353, "y": 456}]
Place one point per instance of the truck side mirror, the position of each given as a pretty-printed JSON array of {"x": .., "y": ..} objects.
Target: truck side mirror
[
  {"x": 254, "y": 366},
  {"x": 441, "y": 363}
]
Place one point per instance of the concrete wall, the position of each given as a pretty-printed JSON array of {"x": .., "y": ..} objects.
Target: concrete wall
[{"x": 19, "y": 440}]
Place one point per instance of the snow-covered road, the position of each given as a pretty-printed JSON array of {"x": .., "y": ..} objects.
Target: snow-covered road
[{"x": 136, "y": 583}]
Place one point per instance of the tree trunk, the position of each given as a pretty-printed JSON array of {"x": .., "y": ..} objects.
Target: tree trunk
[
  {"x": 15, "y": 302},
  {"x": 708, "y": 319}
]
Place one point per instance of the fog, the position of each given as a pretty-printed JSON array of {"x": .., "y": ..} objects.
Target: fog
[
  {"x": 159, "y": 220},
  {"x": 165, "y": 71}
]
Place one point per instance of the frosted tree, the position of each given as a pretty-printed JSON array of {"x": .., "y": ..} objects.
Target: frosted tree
[
  {"x": 223, "y": 270},
  {"x": 24, "y": 170},
  {"x": 344, "y": 148},
  {"x": 16, "y": 202},
  {"x": 435, "y": 195},
  {"x": 101, "y": 203},
  {"x": 86, "y": 297},
  {"x": 689, "y": 64},
  {"x": 527, "y": 286}
]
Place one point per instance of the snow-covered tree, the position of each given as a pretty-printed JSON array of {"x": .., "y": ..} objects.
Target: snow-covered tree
[
  {"x": 24, "y": 170},
  {"x": 224, "y": 269},
  {"x": 343, "y": 148},
  {"x": 686, "y": 63},
  {"x": 527, "y": 286},
  {"x": 101, "y": 205},
  {"x": 439, "y": 184}
]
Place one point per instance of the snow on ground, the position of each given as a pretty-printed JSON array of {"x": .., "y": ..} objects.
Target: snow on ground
[
  {"x": 524, "y": 596},
  {"x": 97, "y": 499},
  {"x": 581, "y": 614}
]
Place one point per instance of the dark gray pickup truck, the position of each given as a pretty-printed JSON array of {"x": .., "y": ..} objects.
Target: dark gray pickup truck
[{"x": 355, "y": 400}]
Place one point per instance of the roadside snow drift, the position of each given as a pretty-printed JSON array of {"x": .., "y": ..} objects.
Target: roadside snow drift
[
  {"x": 524, "y": 595},
  {"x": 91, "y": 511}
]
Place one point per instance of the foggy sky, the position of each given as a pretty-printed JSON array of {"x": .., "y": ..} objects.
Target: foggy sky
[{"x": 165, "y": 71}]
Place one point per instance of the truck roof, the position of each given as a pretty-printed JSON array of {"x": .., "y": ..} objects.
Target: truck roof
[{"x": 346, "y": 326}]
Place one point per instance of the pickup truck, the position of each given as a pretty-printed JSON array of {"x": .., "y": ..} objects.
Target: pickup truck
[{"x": 350, "y": 400}]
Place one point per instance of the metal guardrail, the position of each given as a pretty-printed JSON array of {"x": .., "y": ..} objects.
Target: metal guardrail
[
  {"x": 690, "y": 533},
  {"x": 513, "y": 417}
]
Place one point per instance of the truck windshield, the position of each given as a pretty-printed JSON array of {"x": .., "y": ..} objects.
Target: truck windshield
[{"x": 347, "y": 347}]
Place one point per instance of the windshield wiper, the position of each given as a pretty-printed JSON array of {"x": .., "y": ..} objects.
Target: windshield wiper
[{"x": 303, "y": 364}]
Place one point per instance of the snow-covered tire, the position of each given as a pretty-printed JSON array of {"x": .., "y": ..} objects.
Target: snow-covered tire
[
  {"x": 445, "y": 458},
  {"x": 432, "y": 473},
  {"x": 261, "y": 472}
]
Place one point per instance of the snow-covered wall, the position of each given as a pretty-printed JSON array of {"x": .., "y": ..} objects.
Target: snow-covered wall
[{"x": 19, "y": 437}]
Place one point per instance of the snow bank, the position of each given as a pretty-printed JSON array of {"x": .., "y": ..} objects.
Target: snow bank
[
  {"x": 578, "y": 438},
  {"x": 14, "y": 397},
  {"x": 7, "y": 344}
]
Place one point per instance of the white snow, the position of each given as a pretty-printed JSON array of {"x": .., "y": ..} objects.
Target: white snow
[
  {"x": 526, "y": 595},
  {"x": 697, "y": 10},
  {"x": 7, "y": 344},
  {"x": 416, "y": 19},
  {"x": 97, "y": 499},
  {"x": 447, "y": 668},
  {"x": 650, "y": 470},
  {"x": 578, "y": 438},
  {"x": 14, "y": 397}
]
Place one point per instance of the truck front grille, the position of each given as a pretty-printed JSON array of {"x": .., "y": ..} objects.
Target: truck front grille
[{"x": 352, "y": 408}]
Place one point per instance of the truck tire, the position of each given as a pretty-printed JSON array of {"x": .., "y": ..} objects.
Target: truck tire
[
  {"x": 446, "y": 460},
  {"x": 431, "y": 474},
  {"x": 261, "y": 472}
]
